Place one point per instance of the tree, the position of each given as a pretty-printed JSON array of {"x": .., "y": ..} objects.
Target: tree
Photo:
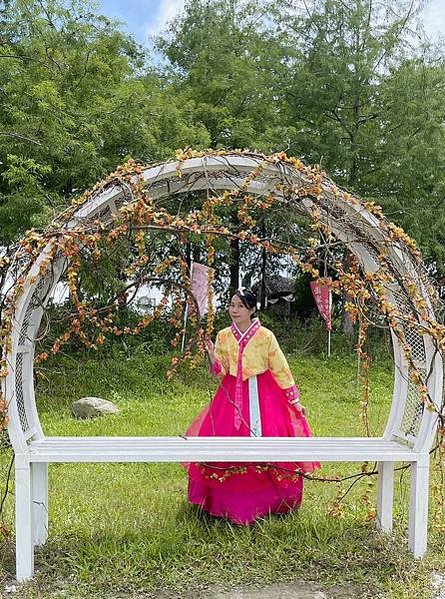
[
  {"x": 225, "y": 58},
  {"x": 365, "y": 90},
  {"x": 408, "y": 177},
  {"x": 77, "y": 98}
]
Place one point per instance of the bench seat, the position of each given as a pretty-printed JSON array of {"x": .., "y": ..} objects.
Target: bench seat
[{"x": 234, "y": 449}]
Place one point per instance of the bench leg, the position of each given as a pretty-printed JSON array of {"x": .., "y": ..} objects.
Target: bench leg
[
  {"x": 385, "y": 496},
  {"x": 23, "y": 520},
  {"x": 418, "y": 507},
  {"x": 39, "y": 475}
]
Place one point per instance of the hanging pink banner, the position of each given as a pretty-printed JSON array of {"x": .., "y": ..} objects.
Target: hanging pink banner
[
  {"x": 200, "y": 285},
  {"x": 323, "y": 298}
]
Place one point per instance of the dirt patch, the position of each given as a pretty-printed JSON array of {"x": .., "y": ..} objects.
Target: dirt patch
[{"x": 290, "y": 590}]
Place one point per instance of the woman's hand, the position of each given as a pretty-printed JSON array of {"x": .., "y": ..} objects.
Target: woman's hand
[
  {"x": 300, "y": 407},
  {"x": 210, "y": 347}
]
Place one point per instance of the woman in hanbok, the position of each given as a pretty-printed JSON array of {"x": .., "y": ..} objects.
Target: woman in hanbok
[{"x": 257, "y": 397}]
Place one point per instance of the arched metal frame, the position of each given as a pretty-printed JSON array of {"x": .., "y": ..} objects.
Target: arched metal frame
[{"x": 356, "y": 227}]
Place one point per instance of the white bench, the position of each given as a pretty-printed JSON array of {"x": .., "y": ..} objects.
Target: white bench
[
  {"x": 32, "y": 472},
  {"x": 410, "y": 428}
]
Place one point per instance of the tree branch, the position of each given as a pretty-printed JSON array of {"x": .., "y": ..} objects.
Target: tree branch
[{"x": 21, "y": 137}]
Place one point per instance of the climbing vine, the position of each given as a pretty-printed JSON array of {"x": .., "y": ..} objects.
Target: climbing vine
[{"x": 143, "y": 241}]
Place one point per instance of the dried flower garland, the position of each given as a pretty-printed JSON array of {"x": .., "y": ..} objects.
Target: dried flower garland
[{"x": 145, "y": 227}]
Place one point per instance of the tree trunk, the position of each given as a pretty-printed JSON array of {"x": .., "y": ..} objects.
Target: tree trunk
[
  {"x": 346, "y": 323},
  {"x": 234, "y": 265},
  {"x": 263, "y": 271},
  {"x": 234, "y": 258},
  {"x": 188, "y": 255}
]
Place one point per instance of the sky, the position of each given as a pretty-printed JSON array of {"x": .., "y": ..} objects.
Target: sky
[{"x": 144, "y": 18}]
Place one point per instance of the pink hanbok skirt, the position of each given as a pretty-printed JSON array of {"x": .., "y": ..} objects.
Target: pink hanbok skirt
[{"x": 242, "y": 492}]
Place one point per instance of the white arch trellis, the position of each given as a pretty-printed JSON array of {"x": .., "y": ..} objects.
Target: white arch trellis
[{"x": 410, "y": 428}]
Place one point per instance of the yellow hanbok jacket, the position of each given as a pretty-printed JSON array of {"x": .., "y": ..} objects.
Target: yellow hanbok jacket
[{"x": 259, "y": 352}]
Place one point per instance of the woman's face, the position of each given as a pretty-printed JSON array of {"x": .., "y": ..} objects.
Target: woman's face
[{"x": 238, "y": 311}]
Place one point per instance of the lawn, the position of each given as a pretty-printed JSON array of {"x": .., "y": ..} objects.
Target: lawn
[{"x": 127, "y": 530}]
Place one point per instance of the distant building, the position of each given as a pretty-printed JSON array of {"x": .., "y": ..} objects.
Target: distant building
[{"x": 279, "y": 294}]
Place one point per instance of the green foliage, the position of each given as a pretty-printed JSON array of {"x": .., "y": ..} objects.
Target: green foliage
[
  {"x": 367, "y": 94},
  {"x": 342, "y": 54},
  {"x": 347, "y": 85},
  {"x": 354, "y": 86},
  {"x": 24, "y": 207},
  {"x": 408, "y": 165},
  {"x": 78, "y": 98},
  {"x": 224, "y": 58}
]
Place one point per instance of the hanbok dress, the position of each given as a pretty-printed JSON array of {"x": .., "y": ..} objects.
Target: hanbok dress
[{"x": 253, "y": 399}]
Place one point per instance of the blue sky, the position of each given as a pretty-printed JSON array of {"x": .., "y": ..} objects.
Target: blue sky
[
  {"x": 147, "y": 17},
  {"x": 141, "y": 17}
]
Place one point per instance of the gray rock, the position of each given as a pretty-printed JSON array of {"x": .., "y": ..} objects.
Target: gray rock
[
  {"x": 438, "y": 583},
  {"x": 91, "y": 407}
]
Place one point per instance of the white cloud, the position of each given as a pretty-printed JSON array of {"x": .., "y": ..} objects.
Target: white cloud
[
  {"x": 167, "y": 10},
  {"x": 434, "y": 17},
  {"x": 162, "y": 11}
]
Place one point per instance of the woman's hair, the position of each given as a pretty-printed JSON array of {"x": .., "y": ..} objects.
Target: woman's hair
[{"x": 247, "y": 297}]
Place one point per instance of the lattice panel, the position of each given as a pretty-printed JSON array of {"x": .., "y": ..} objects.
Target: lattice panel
[
  {"x": 413, "y": 407},
  {"x": 413, "y": 412},
  {"x": 403, "y": 303},
  {"x": 35, "y": 302},
  {"x": 119, "y": 201},
  {"x": 417, "y": 345},
  {"x": 20, "y": 399},
  {"x": 413, "y": 337},
  {"x": 104, "y": 214}
]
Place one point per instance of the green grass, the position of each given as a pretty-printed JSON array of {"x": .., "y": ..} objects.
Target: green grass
[{"x": 124, "y": 530}]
